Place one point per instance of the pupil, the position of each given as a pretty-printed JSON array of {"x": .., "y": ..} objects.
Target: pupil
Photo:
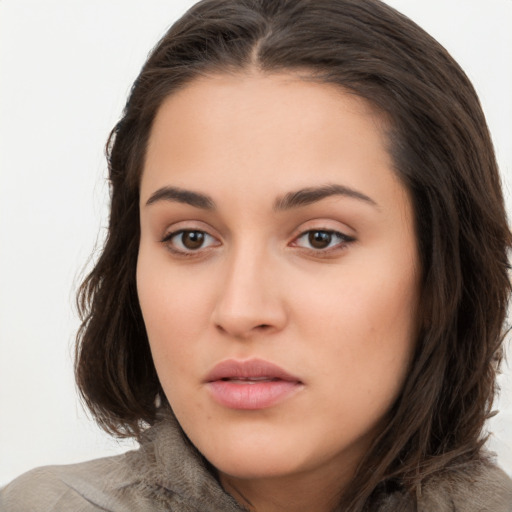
[
  {"x": 193, "y": 239},
  {"x": 320, "y": 239}
]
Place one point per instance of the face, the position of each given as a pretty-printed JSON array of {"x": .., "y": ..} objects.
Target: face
[{"x": 277, "y": 272}]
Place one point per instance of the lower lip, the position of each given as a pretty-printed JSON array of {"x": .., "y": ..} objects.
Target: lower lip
[{"x": 252, "y": 395}]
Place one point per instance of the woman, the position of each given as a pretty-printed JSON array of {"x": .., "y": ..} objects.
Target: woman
[{"x": 300, "y": 302}]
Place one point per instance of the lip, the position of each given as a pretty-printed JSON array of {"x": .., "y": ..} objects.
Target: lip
[{"x": 250, "y": 385}]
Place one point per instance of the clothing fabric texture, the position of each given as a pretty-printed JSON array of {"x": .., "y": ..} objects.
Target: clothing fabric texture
[{"x": 168, "y": 474}]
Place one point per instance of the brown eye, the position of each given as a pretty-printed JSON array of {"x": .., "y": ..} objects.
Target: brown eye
[
  {"x": 322, "y": 240},
  {"x": 187, "y": 241},
  {"x": 319, "y": 239},
  {"x": 192, "y": 239}
]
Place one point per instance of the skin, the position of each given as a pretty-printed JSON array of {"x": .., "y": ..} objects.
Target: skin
[{"x": 342, "y": 317}]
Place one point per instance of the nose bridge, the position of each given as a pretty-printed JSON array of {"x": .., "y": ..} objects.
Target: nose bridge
[{"x": 249, "y": 297}]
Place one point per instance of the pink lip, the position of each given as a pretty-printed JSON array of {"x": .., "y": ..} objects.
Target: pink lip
[{"x": 253, "y": 384}]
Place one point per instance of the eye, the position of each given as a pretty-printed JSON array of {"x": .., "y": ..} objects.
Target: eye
[
  {"x": 186, "y": 241},
  {"x": 322, "y": 240}
]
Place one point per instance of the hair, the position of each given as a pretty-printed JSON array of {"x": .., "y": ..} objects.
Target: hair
[{"x": 443, "y": 154}]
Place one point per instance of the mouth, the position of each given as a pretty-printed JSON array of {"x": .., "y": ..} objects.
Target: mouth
[
  {"x": 250, "y": 380},
  {"x": 251, "y": 385}
]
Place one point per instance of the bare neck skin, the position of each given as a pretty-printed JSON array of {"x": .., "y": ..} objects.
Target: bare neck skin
[
  {"x": 301, "y": 493},
  {"x": 318, "y": 489}
]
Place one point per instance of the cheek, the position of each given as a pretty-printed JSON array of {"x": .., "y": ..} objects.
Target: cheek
[
  {"x": 363, "y": 322},
  {"x": 175, "y": 311},
  {"x": 361, "y": 305}
]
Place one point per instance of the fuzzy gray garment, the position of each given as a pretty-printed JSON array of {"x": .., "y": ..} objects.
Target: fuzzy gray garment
[{"x": 167, "y": 474}]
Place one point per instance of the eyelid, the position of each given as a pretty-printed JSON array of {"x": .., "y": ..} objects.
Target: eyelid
[
  {"x": 345, "y": 238},
  {"x": 188, "y": 225},
  {"x": 184, "y": 251},
  {"x": 179, "y": 228},
  {"x": 323, "y": 226}
]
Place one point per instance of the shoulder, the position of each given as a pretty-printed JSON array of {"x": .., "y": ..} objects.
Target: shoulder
[
  {"x": 165, "y": 473},
  {"x": 107, "y": 484},
  {"x": 479, "y": 487}
]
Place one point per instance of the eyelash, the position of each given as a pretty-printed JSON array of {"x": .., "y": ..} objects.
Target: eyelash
[
  {"x": 342, "y": 241},
  {"x": 186, "y": 252}
]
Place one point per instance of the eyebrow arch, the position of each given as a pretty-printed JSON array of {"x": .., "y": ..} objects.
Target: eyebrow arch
[
  {"x": 306, "y": 196},
  {"x": 179, "y": 195},
  {"x": 296, "y": 199}
]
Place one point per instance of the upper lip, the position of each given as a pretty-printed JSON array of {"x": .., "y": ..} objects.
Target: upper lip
[{"x": 249, "y": 369}]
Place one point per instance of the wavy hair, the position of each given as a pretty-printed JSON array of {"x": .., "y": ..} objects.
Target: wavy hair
[{"x": 443, "y": 154}]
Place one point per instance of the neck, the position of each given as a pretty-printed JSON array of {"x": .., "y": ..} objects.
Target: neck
[{"x": 297, "y": 493}]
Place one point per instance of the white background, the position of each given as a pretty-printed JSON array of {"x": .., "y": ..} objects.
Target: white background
[{"x": 66, "y": 67}]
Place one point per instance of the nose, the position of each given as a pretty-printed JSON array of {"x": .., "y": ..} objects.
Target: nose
[{"x": 250, "y": 300}]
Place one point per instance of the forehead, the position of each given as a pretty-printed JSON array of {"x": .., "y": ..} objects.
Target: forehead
[
  {"x": 250, "y": 131},
  {"x": 265, "y": 101}
]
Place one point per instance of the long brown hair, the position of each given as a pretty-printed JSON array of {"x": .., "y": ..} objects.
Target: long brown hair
[{"x": 443, "y": 154}]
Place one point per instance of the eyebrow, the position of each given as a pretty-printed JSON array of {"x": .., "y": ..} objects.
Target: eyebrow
[
  {"x": 311, "y": 195},
  {"x": 296, "y": 199},
  {"x": 179, "y": 195}
]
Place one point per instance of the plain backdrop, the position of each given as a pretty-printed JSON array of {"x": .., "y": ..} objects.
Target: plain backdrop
[{"x": 66, "y": 67}]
